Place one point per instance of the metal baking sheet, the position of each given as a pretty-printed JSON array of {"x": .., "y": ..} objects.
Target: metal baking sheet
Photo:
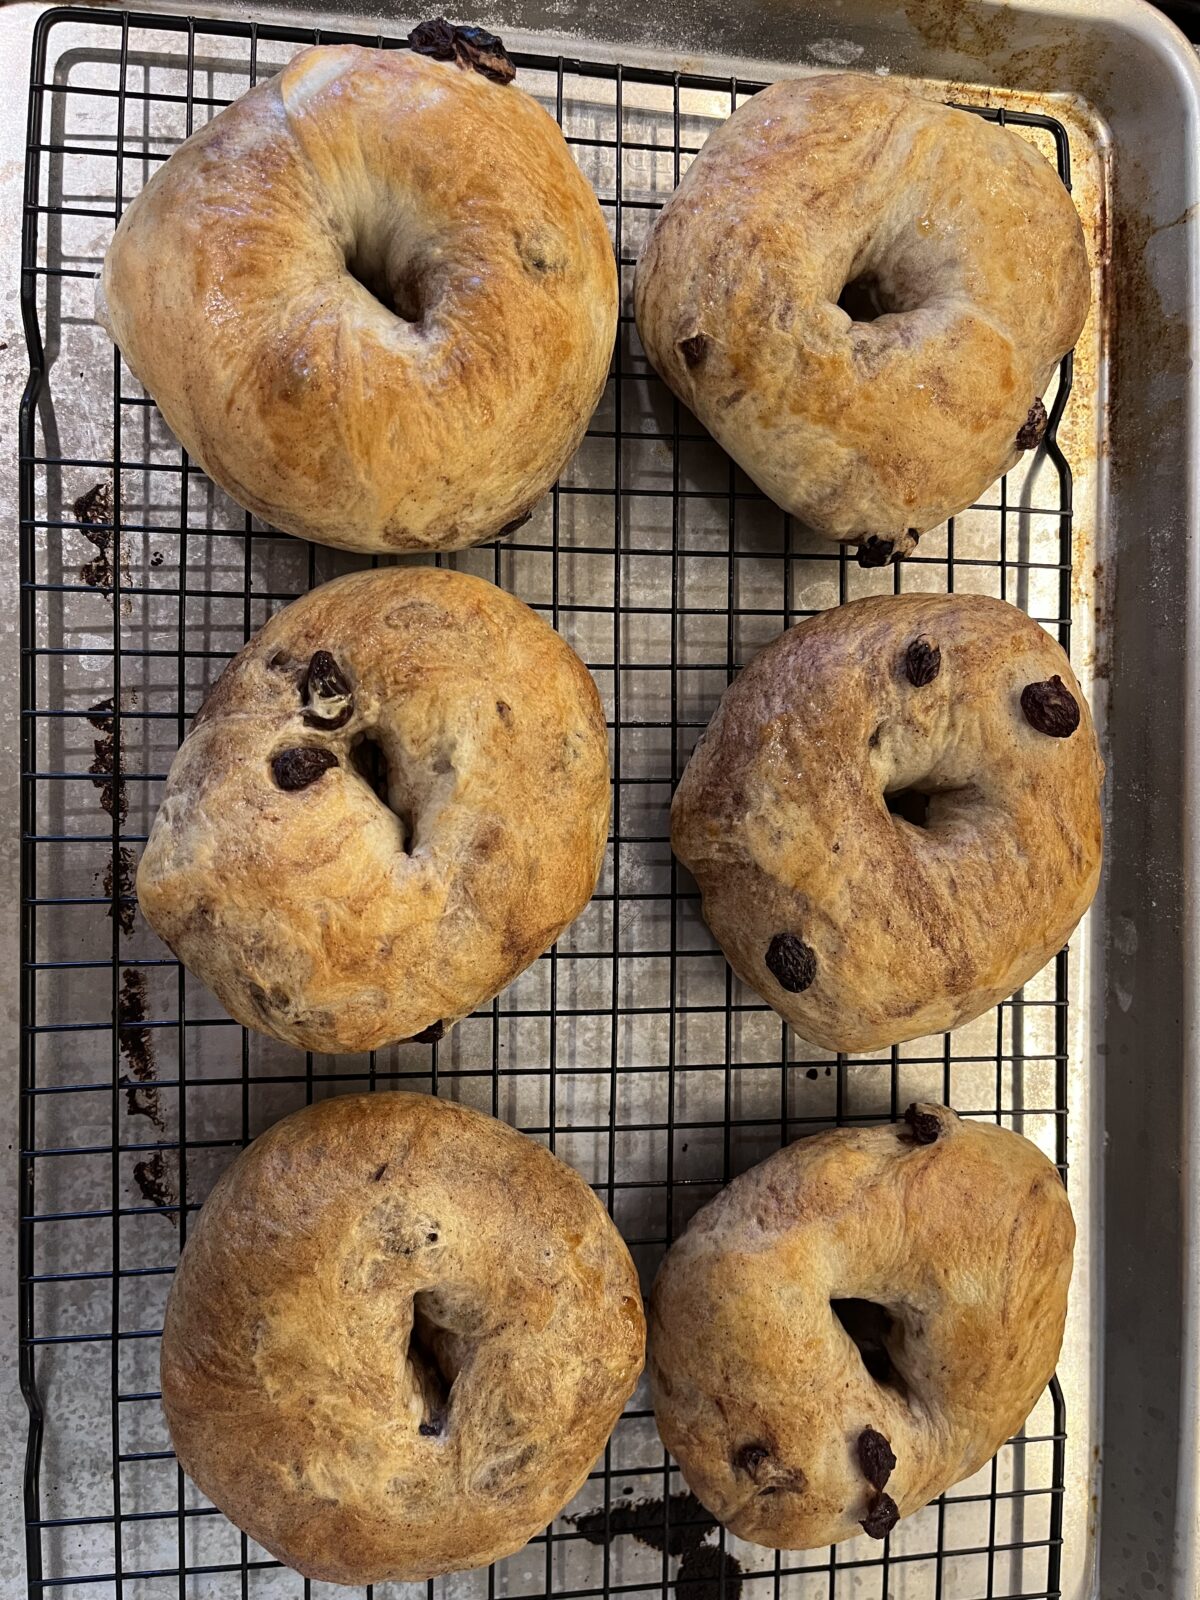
[{"x": 630, "y": 1049}]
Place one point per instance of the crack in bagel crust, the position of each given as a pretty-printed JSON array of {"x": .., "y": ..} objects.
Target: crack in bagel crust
[
  {"x": 930, "y": 843},
  {"x": 376, "y": 875},
  {"x": 872, "y": 370},
  {"x": 962, "y": 1246}
]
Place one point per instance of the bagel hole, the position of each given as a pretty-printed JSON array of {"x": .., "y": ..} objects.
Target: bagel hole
[
  {"x": 870, "y": 1326},
  {"x": 909, "y": 805},
  {"x": 863, "y": 301},
  {"x": 400, "y": 295},
  {"x": 369, "y": 760}
]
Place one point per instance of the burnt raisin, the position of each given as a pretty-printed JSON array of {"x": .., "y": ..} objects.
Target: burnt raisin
[
  {"x": 882, "y": 1516},
  {"x": 875, "y": 1457},
  {"x": 922, "y": 662},
  {"x": 1032, "y": 429},
  {"x": 875, "y": 552},
  {"x": 925, "y": 1126},
  {"x": 791, "y": 962},
  {"x": 694, "y": 349},
  {"x": 469, "y": 47},
  {"x": 327, "y": 694},
  {"x": 432, "y": 1427},
  {"x": 750, "y": 1457},
  {"x": 1051, "y": 708},
  {"x": 429, "y": 1035},
  {"x": 296, "y": 769}
]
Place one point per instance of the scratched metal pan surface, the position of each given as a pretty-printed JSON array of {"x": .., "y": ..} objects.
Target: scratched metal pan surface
[{"x": 630, "y": 1049}]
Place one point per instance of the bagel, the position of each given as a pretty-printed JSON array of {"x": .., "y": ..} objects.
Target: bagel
[
  {"x": 894, "y": 816},
  {"x": 963, "y": 276},
  {"x": 398, "y": 1338},
  {"x": 375, "y": 299},
  {"x": 391, "y": 802},
  {"x": 858, "y": 1323}
]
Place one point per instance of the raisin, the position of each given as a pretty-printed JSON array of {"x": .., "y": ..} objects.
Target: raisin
[
  {"x": 694, "y": 349},
  {"x": 922, "y": 662},
  {"x": 296, "y": 769},
  {"x": 882, "y": 1516},
  {"x": 876, "y": 1458},
  {"x": 469, "y": 47},
  {"x": 1051, "y": 708},
  {"x": 429, "y": 1035},
  {"x": 327, "y": 694},
  {"x": 925, "y": 1126},
  {"x": 791, "y": 962},
  {"x": 431, "y": 1428},
  {"x": 875, "y": 552},
  {"x": 434, "y": 38},
  {"x": 750, "y": 1457},
  {"x": 1031, "y": 430}
]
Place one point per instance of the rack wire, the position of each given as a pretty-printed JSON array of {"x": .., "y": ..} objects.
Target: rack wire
[{"x": 630, "y": 1048}]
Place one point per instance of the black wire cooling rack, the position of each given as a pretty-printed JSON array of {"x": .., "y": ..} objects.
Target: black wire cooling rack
[{"x": 630, "y": 1048}]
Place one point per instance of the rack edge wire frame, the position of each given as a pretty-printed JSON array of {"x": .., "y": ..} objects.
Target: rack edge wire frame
[{"x": 935, "y": 1561}]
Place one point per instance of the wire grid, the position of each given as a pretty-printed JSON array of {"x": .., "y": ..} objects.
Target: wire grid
[{"x": 630, "y": 1049}]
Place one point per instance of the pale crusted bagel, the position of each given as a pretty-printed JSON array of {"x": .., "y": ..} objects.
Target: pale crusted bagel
[
  {"x": 969, "y": 280},
  {"x": 858, "y": 1323},
  {"x": 374, "y": 298}
]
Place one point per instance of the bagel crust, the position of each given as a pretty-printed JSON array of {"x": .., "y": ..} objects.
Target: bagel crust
[
  {"x": 958, "y": 1234},
  {"x": 375, "y": 299},
  {"x": 337, "y": 920},
  {"x": 398, "y": 1339},
  {"x": 880, "y": 428},
  {"x": 861, "y": 925}
]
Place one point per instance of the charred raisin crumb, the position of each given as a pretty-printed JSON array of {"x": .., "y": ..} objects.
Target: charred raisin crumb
[
  {"x": 882, "y": 1516},
  {"x": 296, "y": 769},
  {"x": 694, "y": 349},
  {"x": 327, "y": 694},
  {"x": 431, "y": 1427},
  {"x": 750, "y": 1457},
  {"x": 429, "y": 1035},
  {"x": 1051, "y": 708},
  {"x": 875, "y": 552},
  {"x": 791, "y": 962},
  {"x": 468, "y": 47},
  {"x": 1034, "y": 426},
  {"x": 875, "y": 1457},
  {"x": 922, "y": 662},
  {"x": 925, "y": 1126}
]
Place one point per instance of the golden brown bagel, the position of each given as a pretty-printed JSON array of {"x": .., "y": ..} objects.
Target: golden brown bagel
[
  {"x": 375, "y": 299},
  {"x": 863, "y": 927},
  {"x": 330, "y": 917},
  {"x": 864, "y": 1294},
  {"x": 953, "y": 227},
  {"x": 398, "y": 1338}
]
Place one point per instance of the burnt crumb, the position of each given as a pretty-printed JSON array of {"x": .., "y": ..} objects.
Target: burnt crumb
[
  {"x": 882, "y": 1516},
  {"x": 875, "y": 552},
  {"x": 517, "y": 522},
  {"x": 1050, "y": 708},
  {"x": 673, "y": 1526},
  {"x": 750, "y": 1457},
  {"x": 791, "y": 962},
  {"x": 922, "y": 662},
  {"x": 429, "y": 1035},
  {"x": 876, "y": 1458},
  {"x": 153, "y": 1179},
  {"x": 925, "y": 1126},
  {"x": 296, "y": 769},
  {"x": 694, "y": 349},
  {"x": 137, "y": 1049},
  {"x": 119, "y": 888},
  {"x": 811, "y": 1072},
  {"x": 328, "y": 698},
  {"x": 467, "y": 47},
  {"x": 1033, "y": 428},
  {"x": 156, "y": 558},
  {"x": 379, "y": 1172},
  {"x": 106, "y": 760},
  {"x": 93, "y": 511}
]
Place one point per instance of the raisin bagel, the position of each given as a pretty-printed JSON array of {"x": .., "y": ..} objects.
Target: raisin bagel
[
  {"x": 398, "y": 1339},
  {"x": 375, "y": 298},
  {"x": 894, "y": 816},
  {"x": 959, "y": 264},
  {"x": 858, "y": 1323},
  {"x": 392, "y": 801}
]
